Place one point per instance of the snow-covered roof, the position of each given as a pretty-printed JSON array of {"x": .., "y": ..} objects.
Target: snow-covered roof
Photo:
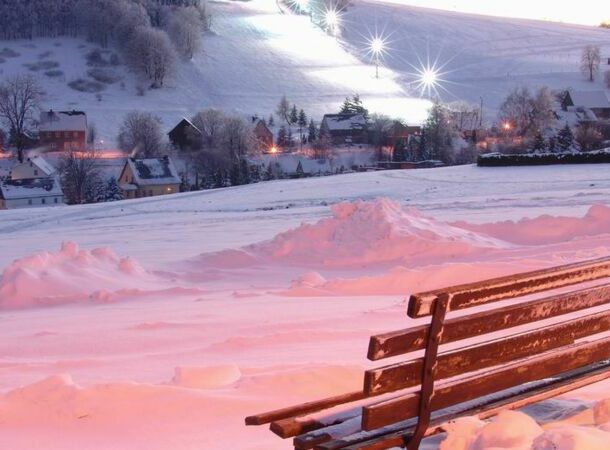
[
  {"x": 42, "y": 164},
  {"x": 154, "y": 171},
  {"x": 590, "y": 99},
  {"x": 188, "y": 122},
  {"x": 344, "y": 122},
  {"x": 63, "y": 121},
  {"x": 30, "y": 188}
]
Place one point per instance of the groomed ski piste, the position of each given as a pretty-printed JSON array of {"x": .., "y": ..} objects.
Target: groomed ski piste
[
  {"x": 255, "y": 54},
  {"x": 160, "y": 323}
]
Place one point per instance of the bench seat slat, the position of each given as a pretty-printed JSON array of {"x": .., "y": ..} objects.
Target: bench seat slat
[
  {"x": 305, "y": 408},
  {"x": 413, "y": 339},
  {"x": 473, "y": 358},
  {"x": 480, "y": 293},
  {"x": 548, "y": 389},
  {"x": 535, "y": 368}
]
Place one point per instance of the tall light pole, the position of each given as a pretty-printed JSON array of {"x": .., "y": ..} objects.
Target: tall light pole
[{"x": 377, "y": 48}]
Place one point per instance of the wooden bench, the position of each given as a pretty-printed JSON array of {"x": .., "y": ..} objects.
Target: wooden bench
[{"x": 542, "y": 348}]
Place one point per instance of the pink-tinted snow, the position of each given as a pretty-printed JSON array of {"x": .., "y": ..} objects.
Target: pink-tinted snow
[{"x": 195, "y": 346}]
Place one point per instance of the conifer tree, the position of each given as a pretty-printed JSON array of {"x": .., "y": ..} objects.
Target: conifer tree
[
  {"x": 294, "y": 115},
  {"x": 539, "y": 143},
  {"x": 312, "y": 132},
  {"x": 113, "y": 190},
  {"x": 271, "y": 121},
  {"x": 565, "y": 138},
  {"x": 300, "y": 172}
]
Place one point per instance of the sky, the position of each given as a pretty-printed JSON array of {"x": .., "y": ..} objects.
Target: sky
[{"x": 588, "y": 12}]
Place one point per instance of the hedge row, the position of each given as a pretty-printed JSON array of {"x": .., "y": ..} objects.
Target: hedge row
[{"x": 540, "y": 159}]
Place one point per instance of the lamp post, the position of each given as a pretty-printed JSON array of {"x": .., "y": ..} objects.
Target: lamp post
[{"x": 377, "y": 48}]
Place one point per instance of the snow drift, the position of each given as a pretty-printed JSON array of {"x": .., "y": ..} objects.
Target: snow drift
[
  {"x": 71, "y": 275},
  {"x": 546, "y": 229},
  {"x": 360, "y": 234}
]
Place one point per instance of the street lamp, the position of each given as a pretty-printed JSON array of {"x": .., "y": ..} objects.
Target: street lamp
[
  {"x": 377, "y": 48},
  {"x": 331, "y": 19}
]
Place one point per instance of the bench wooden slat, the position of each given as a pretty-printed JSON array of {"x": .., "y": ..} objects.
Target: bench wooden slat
[
  {"x": 480, "y": 293},
  {"x": 481, "y": 356},
  {"x": 405, "y": 341},
  {"x": 305, "y": 408},
  {"x": 549, "y": 389},
  {"x": 524, "y": 371},
  {"x": 294, "y": 426},
  {"x": 310, "y": 440}
]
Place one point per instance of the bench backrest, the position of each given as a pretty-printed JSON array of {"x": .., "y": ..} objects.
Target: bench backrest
[
  {"x": 502, "y": 368},
  {"x": 527, "y": 356}
]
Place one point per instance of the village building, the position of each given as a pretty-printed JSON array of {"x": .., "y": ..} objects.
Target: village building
[
  {"x": 344, "y": 128},
  {"x": 30, "y": 192},
  {"x": 263, "y": 134},
  {"x": 34, "y": 167},
  {"x": 63, "y": 130},
  {"x": 590, "y": 106},
  {"x": 149, "y": 177},
  {"x": 184, "y": 135},
  {"x": 34, "y": 182}
]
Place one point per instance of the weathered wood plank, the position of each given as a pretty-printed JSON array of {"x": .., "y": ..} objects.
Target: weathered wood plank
[
  {"x": 294, "y": 426},
  {"x": 305, "y": 408},
  {"x": 475, "y": 294},
  {"x": 412, "y": 339},
  {"x": 549, "y": 389},
  {"x": 488, "y": 354},
  {"x": 532, "y": 369}
]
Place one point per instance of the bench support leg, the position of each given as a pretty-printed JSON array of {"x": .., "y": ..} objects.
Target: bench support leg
[{"x": 441, "y": 305}]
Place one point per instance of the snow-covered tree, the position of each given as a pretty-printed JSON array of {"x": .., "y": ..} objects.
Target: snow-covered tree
[
  {"x": 283, "y": 109},
  {"x": 271, "y": 120},
  {"x": 565, "y": 138},
  {"x": 293, "y": 117},
  {"x": 19, "y": 99},
  {"x": 300, "y": 173},
  {"x": 354, "y": 106},
  {"x": 184, "y": 28},
  {"x": 312, "y": 131},
  {"x": 152, "y": 54},
  {"x": 141, "y": 134},
  {"x": 439, "y": 135},
  {"x": 590, "y": 61},
  {"x": 113, "y": 190},
  {"x": 539, "y": 144}
]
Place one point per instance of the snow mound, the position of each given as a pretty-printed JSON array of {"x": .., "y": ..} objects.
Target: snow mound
[
  {"x": 69, "y": 275},
  {"x": 572, "y": 438},
  {"x": 206, "y": 377},
  {"x": 403, "y": 280},
  {"x": 546, "y": 229},
  {"x": 365, "y": 233}
]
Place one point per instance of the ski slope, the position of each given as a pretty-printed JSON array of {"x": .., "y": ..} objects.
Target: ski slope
[
  {"x": 255, "y": 54},
  {"x": 160, "y": 323}
]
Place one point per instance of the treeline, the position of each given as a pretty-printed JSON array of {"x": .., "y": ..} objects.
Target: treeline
[{"x": 151, "y": 34}]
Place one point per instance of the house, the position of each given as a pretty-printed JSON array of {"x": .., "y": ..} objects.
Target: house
[
  {"x": 262, "y": 133},
  {"x": 594, "y": 105},
  {"x": 399, "y": 134},
  {"x": 149, "y": 177},
  {"x": 344, "y": 128},
  {"x": 184, "y": 134},
  {"x": 35, "y": 167},
  {"x": 63, "y": 130},
  {"x": 30, "y": 192}
]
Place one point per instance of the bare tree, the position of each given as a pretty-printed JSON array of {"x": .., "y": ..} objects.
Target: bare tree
[
  {"x": 588, "y": 137},
  {"x": 19, "y": 99},
  {"x": 526, "y": 114},
  {"x": 379, "y": 129},
  {"x": 91, "y": 134},
  {"x": 79, "y": 173},
  {"x": 590, "y": 61},
  {"x": 140, "y": 134}
]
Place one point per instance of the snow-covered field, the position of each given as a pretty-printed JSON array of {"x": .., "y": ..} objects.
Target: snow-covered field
[
  {"x": 161, "y": 323},
  {"x": 255, "y": 55}
]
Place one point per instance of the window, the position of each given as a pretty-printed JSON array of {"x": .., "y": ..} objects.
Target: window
[
  {"x": 30, "y": 201},
  {"x": 55, "y": 200},
  {"x": 35, "y": 172},
  {"x": 75, "y": 134},
  {"x": 43, "y": 201}
]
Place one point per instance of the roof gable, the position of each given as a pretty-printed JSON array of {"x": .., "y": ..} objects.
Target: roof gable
[
  {"x": 590, "y": 99},
  {"x": 344, "y": 122}
]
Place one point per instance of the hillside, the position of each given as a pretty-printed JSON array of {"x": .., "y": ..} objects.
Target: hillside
[{"x": 255, "y": 54}]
